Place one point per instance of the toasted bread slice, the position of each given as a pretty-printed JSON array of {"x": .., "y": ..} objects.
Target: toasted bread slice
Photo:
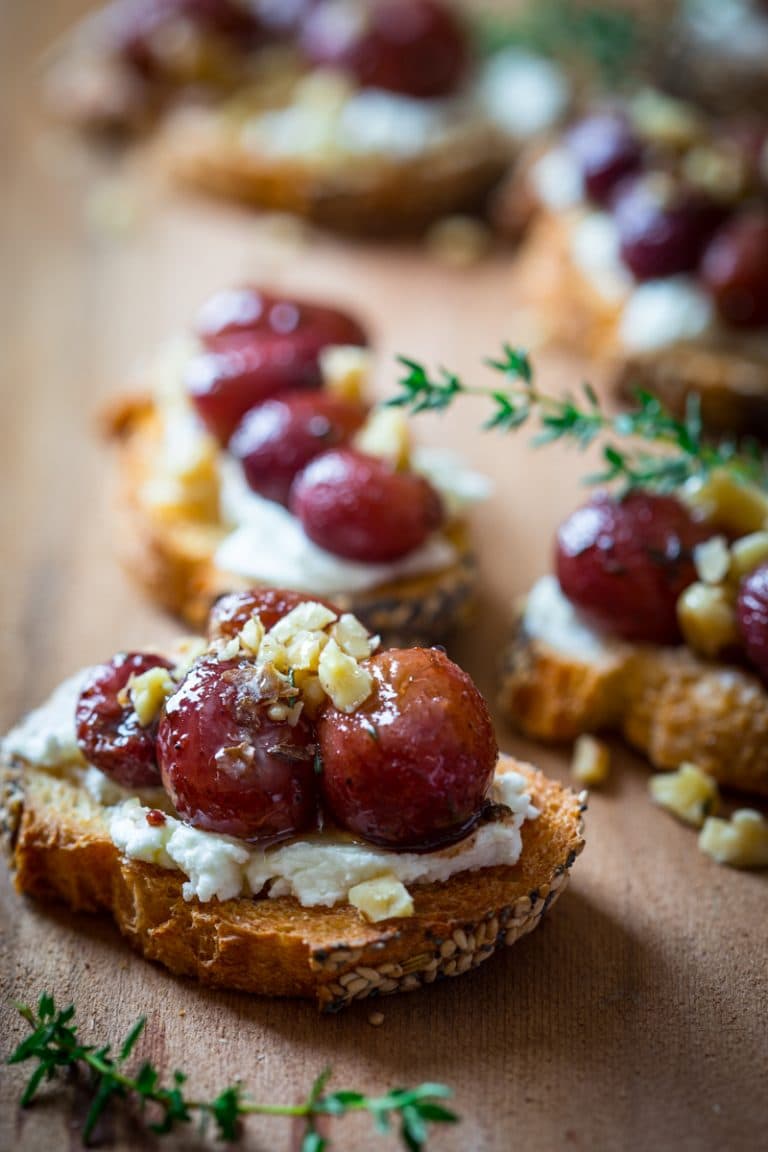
[
  {"x": 374, "y": 195},
  {"x": 61, "y": 851},
  {"x": 669, "y": 703},
  {"x": 727, "y": 370},
  {"x": 173, "y": 556}
]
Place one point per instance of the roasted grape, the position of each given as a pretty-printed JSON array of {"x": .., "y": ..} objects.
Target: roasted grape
[
  {"x": 227, "y": 766},
  {"x": 258, "y": 347},
  {"x": 411, "y": 768},
  {"x": 625, "y": 562},
  {"x": 232, "y": 612},
  {"x": 415, "y": 47},
  {"x": 752, "y": 616},
  {"x": 606, "y": 150},
  {"x": 663, "y": 228},
  {"x": 278, "y": 438},
  {"x": 108, "y": 730},
  {"x": 359, "y": 507},
  {"x": 154, "y": 36},
  {"x": 735, "y": 270}
]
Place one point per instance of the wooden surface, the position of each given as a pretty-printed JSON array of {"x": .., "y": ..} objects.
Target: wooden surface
[{"x": 635, "y": 1018}]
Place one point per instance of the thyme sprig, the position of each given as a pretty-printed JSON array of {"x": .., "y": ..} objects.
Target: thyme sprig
[
  {"x": 54, "y": 1044},
  {"x": 609, "y": 41},
  {"x": 646, "y": 447}
]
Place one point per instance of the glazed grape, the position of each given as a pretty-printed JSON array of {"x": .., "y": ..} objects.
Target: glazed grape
[
  {"x": 415, "y": 47},
  {"x": 359, "y": 507},
  {"x": 108, "y": 732},
  {"x": 281, "y": 436},
  {"x": 258, "y": 347},
  {"x": 411, "y": 768},
  {"x": 232, "y": 612},
  {"x": 142, "y": 30},
  {"x": 606, "y": 151},
  {"x": 625, "y": 563},
  {"x": 662, "y": 228},
  {"x": 752, "y": 616},
  {"x": 226, "y": 765},
  {"x": 735, "y": 270}
]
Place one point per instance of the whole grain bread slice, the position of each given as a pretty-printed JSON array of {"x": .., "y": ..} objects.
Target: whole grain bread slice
[
  {"x": 668, "y": 702},
  {"x": 61, "y": 851}
]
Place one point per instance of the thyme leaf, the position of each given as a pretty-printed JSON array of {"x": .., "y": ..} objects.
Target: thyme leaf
[{"x": 54, "y": 1044}]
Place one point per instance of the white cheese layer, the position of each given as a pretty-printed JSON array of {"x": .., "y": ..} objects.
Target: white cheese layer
[
  {"x": 662, "y": 312},
  {"x": 550, "y": 617},
  {"x": 269, "y": 544},
  {"x": 317, "y": 870},
  {"x": 523, "y": 94},
  {"x": 47, "y": 736}
]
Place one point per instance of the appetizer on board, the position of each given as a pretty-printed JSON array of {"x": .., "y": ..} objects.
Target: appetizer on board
[
  {"x": 286, "y": 809},
  {"x": 368, "y": 117},
  {"x": 649, "y": 251},
  {"x": 255, "y": 459}
]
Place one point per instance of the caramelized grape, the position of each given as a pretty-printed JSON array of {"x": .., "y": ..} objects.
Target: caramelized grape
[
  {"x": 232, "y": 612},
  {"x": 411, "y": 768},
  {"x": 108, "y": 732},
  {"x": 280, "y": 437},
  {"x": 149, "y": 35},
  {"x": 663, "y": 228},
  {"x": 752, "y": 615},
  {"x": 226, "y": 765},
  {"x": 735, "y": 270},
  {"x": 606, "y": 150},
  {"x": 415, "y": 47},
  {"x": 359, "y": 507},
  {"x": 625, "y": 562},
  {"x": 258, "y": 347}
]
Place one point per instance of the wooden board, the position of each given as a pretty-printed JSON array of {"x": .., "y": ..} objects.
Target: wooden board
[{"x": 635, "y": 1017}]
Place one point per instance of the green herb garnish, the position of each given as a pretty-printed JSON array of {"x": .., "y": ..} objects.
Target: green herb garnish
[
  {"x": 607, "y": 41},
  {"x": 680, "y": 451},
  {"x": 54, "y": 1044}
]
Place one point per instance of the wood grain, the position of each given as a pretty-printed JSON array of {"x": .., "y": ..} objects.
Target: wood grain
[{"x": 635, "y": 1017}]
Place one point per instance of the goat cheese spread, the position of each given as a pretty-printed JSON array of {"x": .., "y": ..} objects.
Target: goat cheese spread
[{"x": 550, "y": 617}]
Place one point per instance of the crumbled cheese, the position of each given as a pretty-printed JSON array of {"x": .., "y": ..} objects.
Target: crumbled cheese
[
  {"x": 712, "y": 559},
  {"x": 381, "y": 898},
  {"x": 688, "y": 793},
  {"x": 707, "y": 617},
  {"x": 664, "y": 120},
  {"x": 310, "y": 616},
  {"x": 251, "y": 635},
  {"x": 346, "y": 371},
  {"x": 728, "y": 501},
  {"x": 748, "y": 553},
  {"x": 741, "y": 842},
  {"x": 353, "y": 637},
  {"x": 149, "y": 692},
  {"x": 346, "y": 683},
  {"x": 387, "y": 434},
  {"x": 591, "y": 761}
]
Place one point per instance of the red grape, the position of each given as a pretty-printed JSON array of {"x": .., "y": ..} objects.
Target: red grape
[
  {"x": 411, "y": 767},
  {"x": 259, "y": 346},
  {"x": 752, "y": 616},
  {"x": 606, "y": 150},
  {"x": 663, "y": 228},
  {"x": 735, "y": 270},
  {"x": 226, "y": 765},
  {"x": 281, "y": 436},
  {"x": 415, "y": 47},
  {"x": 625, "y": 563},
  {"x": 232, "y": 612},
  {"x": 109, "y": 733},
  {"x": 141, "y": 28},
  {"x": 361, "y": 508}
]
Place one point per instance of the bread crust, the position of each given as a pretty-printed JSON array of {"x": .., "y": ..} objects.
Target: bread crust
[
  {"x": 376, "y": 196},
  {"x": 729, "y": 373},
  {"x": 669, "y": 703},
  {"x": 172, "y": 557},
  {"x": 61, "y": 851}
]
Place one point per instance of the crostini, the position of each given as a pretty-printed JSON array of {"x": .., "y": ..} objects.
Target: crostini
[
  {"x": 649, "y": 252},
  {"x": 286, "y": 810},
  {"x": 254, "y": 458},
  {"x": 367, "y": 117}
]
